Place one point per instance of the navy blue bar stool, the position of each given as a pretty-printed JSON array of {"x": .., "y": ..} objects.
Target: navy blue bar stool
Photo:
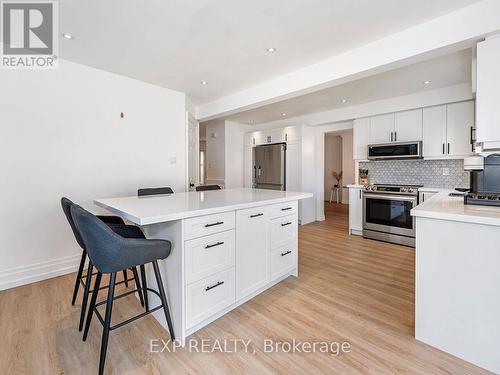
[
  {"x": 154, "y": 191},
  {"x": 111, "y": 253},
  {"x": 207, "y": 187},
  {"x": 85, "y": 280}
]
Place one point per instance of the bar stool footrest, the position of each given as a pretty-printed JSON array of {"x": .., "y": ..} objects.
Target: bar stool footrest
[{"x": 132, "y": 319}]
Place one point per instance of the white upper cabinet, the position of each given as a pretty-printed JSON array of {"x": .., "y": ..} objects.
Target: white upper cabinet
[
  {"x": 361, "y": 138},
  {"x": 447, "y": 130},
  {"x": 434, "y": 132},
  {"x": 488, "y": 87},
  {"x": 408, "y": 126},
  {"x": 403, "y": 126},
  {"x": 459, "y": 122},
  {"x": 291, "y": 134},
  {"x": 382, "y": 129}
]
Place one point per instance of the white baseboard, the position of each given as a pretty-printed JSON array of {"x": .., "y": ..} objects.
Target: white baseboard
[
  {"x": 23, "y": 275},
  {"x": 320, "y": 218}
]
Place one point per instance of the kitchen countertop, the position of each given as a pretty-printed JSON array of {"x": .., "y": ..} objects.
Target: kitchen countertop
[
  {"x": 169, "y": 207},
  {"x": 442, "y": 206}
]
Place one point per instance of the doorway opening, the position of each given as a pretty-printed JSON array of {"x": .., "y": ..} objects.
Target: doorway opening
[{"x": 338, "y": 171}]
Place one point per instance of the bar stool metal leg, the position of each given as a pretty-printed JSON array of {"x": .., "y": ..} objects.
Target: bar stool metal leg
[
  {"x": 93, "y": 300},
  {"x": 144, "y": 286},
  {"x": 107, "y": 323},
  {"x": 78, "y": 277},
  {"x": 125, "y": 278},
  {"x": 138, "y": 285},
  {"x": 163, "y": 299},
  {"x": 85, "y": 295}
]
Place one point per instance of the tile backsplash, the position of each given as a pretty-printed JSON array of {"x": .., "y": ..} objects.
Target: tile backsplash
[{"x": 417, "y": 172}]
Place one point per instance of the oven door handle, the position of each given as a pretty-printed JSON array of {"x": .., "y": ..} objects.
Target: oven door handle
[{"x": 391, "y": 197}]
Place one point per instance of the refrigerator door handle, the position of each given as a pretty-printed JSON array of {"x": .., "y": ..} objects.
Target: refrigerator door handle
[{"x": 259, "y": 171}]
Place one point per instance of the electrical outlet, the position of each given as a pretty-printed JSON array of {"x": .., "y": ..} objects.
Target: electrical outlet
[
  {"x": 173, "y": 160},
  {"x": 446, "y": 171}
]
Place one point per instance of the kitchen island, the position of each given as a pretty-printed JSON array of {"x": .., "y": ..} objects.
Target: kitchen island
[
  {"x": 457, "y": 279},
  {"x": 227, "y": 247}
]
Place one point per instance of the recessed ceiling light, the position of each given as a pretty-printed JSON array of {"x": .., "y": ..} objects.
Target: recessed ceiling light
[
  {"x": 344, "y": 101},
  {"x": 68, "y": 36},
  {"x": 271, "y": 49},
  {"x": 426, "y": 82},
  {"x": 204, "y": 83},
  {"x": 283, "y": 114}
]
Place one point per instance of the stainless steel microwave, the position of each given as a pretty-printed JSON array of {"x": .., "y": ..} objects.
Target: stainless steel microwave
[{"x": 400, "y": 150}]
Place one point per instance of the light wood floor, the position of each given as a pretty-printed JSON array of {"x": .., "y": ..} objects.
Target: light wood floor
[{"x": 349, "y": 289}]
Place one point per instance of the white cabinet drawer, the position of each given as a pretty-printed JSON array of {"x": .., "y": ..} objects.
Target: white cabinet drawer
[
  {"x": 283, "y": 230},
  {"x": 282, "y": 209},
  {"x": 208, "y": 296},
  {"x": 283, "y": 260},
  {"x": 208, "y": 224},
  {"x": 208, "y": 255}
]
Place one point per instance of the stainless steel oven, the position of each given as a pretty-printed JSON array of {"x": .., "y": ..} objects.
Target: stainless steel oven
[{"x": 386, "y": 213}]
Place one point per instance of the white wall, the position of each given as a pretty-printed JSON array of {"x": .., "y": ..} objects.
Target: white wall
[
  {"x": 333, "y": 161},
  {"x": 62, "y": 135},
  {"x": 307, "y": 206},
  {"x": 235, "y": 154},
  {"x": 348, "y": 164},
  {"x": 216, "y": 155}
]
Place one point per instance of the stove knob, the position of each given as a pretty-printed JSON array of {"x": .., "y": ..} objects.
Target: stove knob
[
  {"x": 404, "y": 190},
  {"x": 410, "y": 190}
]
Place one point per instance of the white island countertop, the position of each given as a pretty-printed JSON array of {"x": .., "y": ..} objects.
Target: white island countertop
[
  {"x": 169, "y": 207},
  {"x": 442, "y": 206}
]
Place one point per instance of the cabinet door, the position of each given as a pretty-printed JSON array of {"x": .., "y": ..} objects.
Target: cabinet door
[
  {"x": 488, "y": 86},
  {"x": 249, "y": 139},
  {"x": 252, "y": 250},
  {"x": 291, "y": 133},
  {"x": 460, "y": 119},
  {"x": 292, "y": 177},
  {"x": 408, "y": 126},
  {"x": 248, "y": 169},
  {"x": 434, "y": 131},
  {"x": 259, "y": 138},
  {"x": 355, "y": 210},
  {"x": 381, "y": 128},
  {"x": 361, "y": 138}
]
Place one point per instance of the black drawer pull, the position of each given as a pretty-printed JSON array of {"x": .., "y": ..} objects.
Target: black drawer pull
[
  {"x": 219, "y": 283},
  {"x": 286, "y": 253},
  {"x": 285, "y": 224},
  {"x": 256, "y": 215},
  {"x": 212, "y": 224},
  {"x": 286, "y": 208},
  {"x": 214, "y": 244}
]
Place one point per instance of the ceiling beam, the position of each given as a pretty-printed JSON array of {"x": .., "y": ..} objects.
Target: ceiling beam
[{"x": 454, "y": 31}]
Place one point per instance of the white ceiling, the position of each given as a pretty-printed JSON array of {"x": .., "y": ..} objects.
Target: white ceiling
[
  {"x": 178, "y": 43},
  {"x": 443, "y": 71}
]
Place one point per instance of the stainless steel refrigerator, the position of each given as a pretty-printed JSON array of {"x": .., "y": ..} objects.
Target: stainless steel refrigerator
[{"x": 269, "y": 163}]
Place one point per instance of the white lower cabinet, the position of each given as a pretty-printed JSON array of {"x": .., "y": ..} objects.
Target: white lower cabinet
[
  {"x": 355, "y": 210},
  {"x": 208, "y": 255},
  {"x": 209, "y": 296},
  {"x": 283, "y": 230},
  {"x": 252, "y": 249},
  {"x": 222, "y": 269},
  {"x": 283, "y": 260}
]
